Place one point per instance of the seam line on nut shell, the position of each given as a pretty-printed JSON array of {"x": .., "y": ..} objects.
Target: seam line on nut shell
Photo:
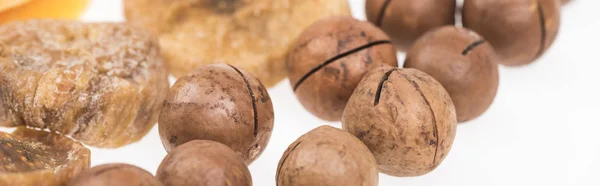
[
  {"x": 382, "y": 12},
  {"x": 435, "y": 129},
  {"x": 252, "y": 97},
  {"x": 385, "y": 78},
  {"x": 542, "y": 17},
  {"x": 283, "y": 161},
  {"x": 472, "y": 46},
  {"x": 337, "y": 57}
]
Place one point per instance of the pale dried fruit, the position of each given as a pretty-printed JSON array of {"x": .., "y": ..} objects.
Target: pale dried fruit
[
  {"x": 254, "y": 35},
  {"x": 37, "y": 158},
  {"x": 116, "y": 174},
  {"x": 101, "y": 83}
]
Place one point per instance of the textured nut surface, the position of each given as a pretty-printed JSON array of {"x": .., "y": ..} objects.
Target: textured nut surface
[
  {"x": 101, "y": 83},
  {"x": 220, "y": 103},
  {"x": 519, "y": 30},
  {"x": 405, "y": 117},
  {"x": 406, "y": 20},
  {"x": 329, "y": 59},
  {"x": 327, "y": 156},
  {"x": 252, "y": 34},
  {"x": 37, "y": 158},
  {"x": 203, "y": 162},
  {"x": 115, "y": 175},
  {"x": 463, "y": 63}
]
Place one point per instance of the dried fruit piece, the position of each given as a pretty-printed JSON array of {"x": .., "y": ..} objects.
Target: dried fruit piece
[
  {"x": 101, "y": 83},
  {"x": 31, "y": 157},
  {"x": 254, "y": 35}
]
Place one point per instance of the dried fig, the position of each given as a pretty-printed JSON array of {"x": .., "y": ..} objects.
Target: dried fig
[
  {"x": 101, "y": 83},
  {"x": 37, "y": 158},
  {"x": 251, "y": 34}
]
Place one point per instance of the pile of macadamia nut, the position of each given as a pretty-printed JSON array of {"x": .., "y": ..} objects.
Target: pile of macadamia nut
[{"x": 105, "y": 85}]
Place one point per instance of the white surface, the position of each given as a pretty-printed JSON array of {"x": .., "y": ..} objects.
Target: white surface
[{"x": 541, "y": 130}]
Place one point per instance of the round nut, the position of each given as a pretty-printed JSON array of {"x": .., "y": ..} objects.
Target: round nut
[
  {"x": 32, "y": 158},
  {"x": 405, "y": 117},
  {"x": 115, "y": 175},
  {"x": 406, "y": 20},
  {"x": 220, "y": 103},
  {"x": 519, "y": 30},
  {"x": 329, "y": 59},
  {"x": 327, "y": 156},
  {"x": 203, "y": 162},
  {"x": 463, "y": 63}
]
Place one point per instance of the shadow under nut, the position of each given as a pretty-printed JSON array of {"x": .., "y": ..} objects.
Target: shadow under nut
[
  {"x": 220, "y": 103},
  {"x": 329, "y": 59},
  {"x": 406, "y": 119}
]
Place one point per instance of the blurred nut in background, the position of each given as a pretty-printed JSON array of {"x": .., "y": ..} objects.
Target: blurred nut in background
[
  {"x": 405, "y": 117},
  {"x": 329, "y": 59},
  {"x": 463, "y": 63},
  {"x": 220, "y": 103},
  {"x": 406, "y": 20},
  {"x": 519, "y": 30},
  {"x": 115, "y": 175}
]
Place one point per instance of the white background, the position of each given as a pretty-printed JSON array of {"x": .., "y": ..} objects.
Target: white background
[{"x": 543, "y": 128}]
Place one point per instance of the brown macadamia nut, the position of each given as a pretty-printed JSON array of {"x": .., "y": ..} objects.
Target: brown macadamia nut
[
  {"x": 38, "y": 158},
  {"x": 220, "y": 103},
  {"x": 203, "y": 162},
  {"x": 329, "y": 59},
  {"x": 463, "y": 63},
  {"x": 327, "y": 156},
  {"x": 519, "y": 30},
  {"x": 405, "y": 117},
  {"x": 115, "y": 175},
  {"x": 406, "y": 20}
]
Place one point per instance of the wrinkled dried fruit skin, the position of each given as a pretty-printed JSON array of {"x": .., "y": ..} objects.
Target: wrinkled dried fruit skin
[
  {"x": 101, "y": 83},
  {"x": 519, "y": 30},
  {"x": 203, "y": 162},
  {"x": 323, "y": 88},
  {"x": 405, "y": 117},
  {"x": 115, "y": 175},
  {"x": 463, "y": 63},
  {"x": 221, "y": 103},
  {"x": 37, "y": 158},
  {"x": 327, "y": 156},
  {"x": 406, "y": 20},
  {"x": 254, "y": 35}
]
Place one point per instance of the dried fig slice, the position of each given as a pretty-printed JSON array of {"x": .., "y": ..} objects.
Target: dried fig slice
[
  {"x": 31, "y": 157},
  {"x": 254, "y": 35},
  {"x": 101, "y": 83}
]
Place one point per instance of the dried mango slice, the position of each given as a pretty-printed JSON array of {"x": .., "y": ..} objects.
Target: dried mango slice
[
  {"x": 36, "y": 158},
  {"x": 254, "y": 35},
  {"x": 101, "y": 83}
]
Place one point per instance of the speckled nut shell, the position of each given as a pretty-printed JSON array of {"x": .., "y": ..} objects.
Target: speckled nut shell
[
  {"x": 220, "y": 103},
  {"x": 463, "y": 63},
  {"x": 405, "y": 117},
  {"x": 519, "y": 30},
  {"x": 203, "y": 162},
  {"x": 116, "y": 174},
  {"x": 406, "y": 20},
  {"x": 327, "y": 156},
  {"x": 329, "y": 59}
]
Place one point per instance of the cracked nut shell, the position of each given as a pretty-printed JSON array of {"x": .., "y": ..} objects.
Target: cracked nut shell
[
  {"x": 35, "y": 158},
  {"x": 116, "y": 174},
  {"x": 203, "y": 162},
  {"x": 405, "y": 117},
  {"x": 519, "y": 30},
  {"x": 329, "y": 59},
  {"x": 100, "y": 83},
  {"x": 406, "y": 20},
  {"x": 255, "y": 35},
  {"x": 327, "y": 156},
  {"x": 220, "y": 103},
  {"x": 463, "y": 63}
]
